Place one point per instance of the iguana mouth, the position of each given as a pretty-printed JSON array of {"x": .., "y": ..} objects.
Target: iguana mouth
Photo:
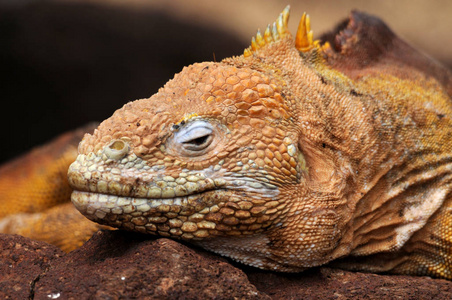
[
  {"x": 148, "y": 215},
  {"x": 127, "y": 193}
]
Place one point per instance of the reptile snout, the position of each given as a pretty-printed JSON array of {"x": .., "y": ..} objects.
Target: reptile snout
[{"x": 116, "y": 149}]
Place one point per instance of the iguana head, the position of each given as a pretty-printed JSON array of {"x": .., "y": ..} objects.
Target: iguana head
[{"x": 215, "y": 157}]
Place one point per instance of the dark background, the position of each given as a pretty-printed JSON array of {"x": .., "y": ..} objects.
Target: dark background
[{"x": 64, "y": 65}]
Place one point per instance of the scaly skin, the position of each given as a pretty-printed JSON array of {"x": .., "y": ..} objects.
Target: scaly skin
[{"x": 293, "y": 155}]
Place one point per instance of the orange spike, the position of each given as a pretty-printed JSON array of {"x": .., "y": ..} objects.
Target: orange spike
[
  {"x": 259, "y": 39},
  {"x": 247, "y": 52},
  {"x": 271, "y": 34},
  {"x": 254, "y": 45},
  {"x": 268, "y": 35},
  {"x": 303, "y": 38}
]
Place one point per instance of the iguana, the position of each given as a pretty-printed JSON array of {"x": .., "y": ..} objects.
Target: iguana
[{"x": 293, "y": 155}]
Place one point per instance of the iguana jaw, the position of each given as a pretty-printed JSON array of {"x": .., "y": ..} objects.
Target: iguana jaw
[
  {"x": 183, "y": 217},
  {"x": 124, "y": 192}
]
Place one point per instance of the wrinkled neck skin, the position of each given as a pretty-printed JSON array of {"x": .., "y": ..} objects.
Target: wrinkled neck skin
[{"x": 365, "y": 143}]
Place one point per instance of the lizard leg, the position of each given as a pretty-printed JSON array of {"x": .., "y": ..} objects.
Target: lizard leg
[{"x": 35, "y": 194}]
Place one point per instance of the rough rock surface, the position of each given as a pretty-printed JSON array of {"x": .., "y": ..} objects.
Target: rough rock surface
[
  {"x": 115, "y": 265},
  {"x": 22, "y": 263},
  {"x": 327, "y": 283},
  {"x": 118, "y": 265}
]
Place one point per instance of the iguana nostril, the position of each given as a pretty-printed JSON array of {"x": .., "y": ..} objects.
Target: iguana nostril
[{"x": 117, "y": 149}]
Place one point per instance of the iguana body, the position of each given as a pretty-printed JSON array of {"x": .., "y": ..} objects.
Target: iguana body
[
  {"x": 290, "y": 156},
  {"x": 34, "y": 194}
]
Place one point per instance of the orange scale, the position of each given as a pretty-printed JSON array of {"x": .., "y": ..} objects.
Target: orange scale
[
  {"x": 225, "y": 112},
  {"x": 248, "y": 83},
  {"x": 243, "y": 120},
  {"x": 256, "y": 79},
  {"x": 257, "y": 123},
  {"x": 232, "y": 80},
  {"x": 249, "y": 95},
  {"x": 276, "y": 163},
  {"x": 219, "y": 82},
  {"x": 238, "y": 87},
  {"x": 268, "y": 161},
  {"x": 227, "y": 88},
  {"x": 232, "y": 95},
  {"x": 218, "y": 93},
  {"x": 272, "y": 147},
  {"x": 264, "y": 90},
  {"x": 231, "y": 118},
  {"x": 243, "y": 74},
  {"x": 258, "y": 111},
  {"x": 275, "y": 114},
  {"x": 269, "y": 131},
  {"x": 243, "y": 106}
]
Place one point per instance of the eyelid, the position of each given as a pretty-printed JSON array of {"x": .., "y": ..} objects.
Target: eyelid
[
  {"x": 188, "y": 128},
  {"x": 194, "y": 133},
  {"x": 195, "y": 139}
]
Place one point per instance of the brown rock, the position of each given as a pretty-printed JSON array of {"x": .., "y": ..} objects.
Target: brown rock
[
  {"x": 328, "y": 283},
  {"x": 116, "y": 264},
  {"x": 22, "y": 262}
]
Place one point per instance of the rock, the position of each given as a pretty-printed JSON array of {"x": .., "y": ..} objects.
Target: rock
[
  {"x": 119, "y": 264},
  {"x": 22, "y": 262},
  {"x": 326, "y": 283}
]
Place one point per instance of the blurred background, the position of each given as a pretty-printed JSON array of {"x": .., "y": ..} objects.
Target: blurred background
[{"x": 65, "y": 63}]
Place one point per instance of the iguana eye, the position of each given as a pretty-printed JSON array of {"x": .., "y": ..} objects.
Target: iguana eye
[{"x": 193, "y": 139}]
